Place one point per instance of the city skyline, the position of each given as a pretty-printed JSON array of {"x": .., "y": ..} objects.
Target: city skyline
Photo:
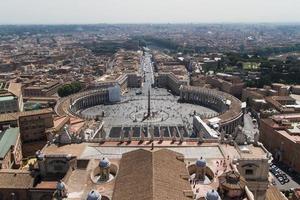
[{"x": 134, "y": 11}]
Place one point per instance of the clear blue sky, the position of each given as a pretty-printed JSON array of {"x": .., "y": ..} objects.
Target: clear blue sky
[{"x": 147, "y": 11}]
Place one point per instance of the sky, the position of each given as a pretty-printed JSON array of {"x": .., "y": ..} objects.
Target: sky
[{"x": 148, "y": 11}]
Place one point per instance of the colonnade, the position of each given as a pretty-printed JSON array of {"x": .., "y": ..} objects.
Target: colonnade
[
  {"x": 205, "y": 97},
  {"x": 90, "y": 100},
  {"x": 230, "y": 126},
  {"x": 230, "y": 115}
]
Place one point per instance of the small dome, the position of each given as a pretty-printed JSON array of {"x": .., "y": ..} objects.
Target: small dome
[
  {"x": 39, "y": 155},
  {"x": 104, "y": 163},
  {"x": 212, "y": 195},
  {"x": 60, "y": 186},
  {"x": 201, "y": 162},
  {"x": 94, "y": 195}
]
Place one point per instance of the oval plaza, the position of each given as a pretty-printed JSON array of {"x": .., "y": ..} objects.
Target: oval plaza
[{"x": 149, "y": 105}]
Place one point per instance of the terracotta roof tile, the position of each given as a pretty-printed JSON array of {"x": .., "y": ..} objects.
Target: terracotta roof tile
[
  {"x": 15, "y": 179},
  {"x": 150, "y": 175}
]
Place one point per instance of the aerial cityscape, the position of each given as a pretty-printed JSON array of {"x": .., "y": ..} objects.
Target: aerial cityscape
[{"x": 149, "y": 110}]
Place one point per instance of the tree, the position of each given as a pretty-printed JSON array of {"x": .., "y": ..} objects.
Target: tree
[{"x": 69, "y": 89}]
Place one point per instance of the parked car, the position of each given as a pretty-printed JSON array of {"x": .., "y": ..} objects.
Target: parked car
[
  {"x": 139, "y": 92},
  {"x": 286, "y": 180},
  {"x": 281, "y": 181}
]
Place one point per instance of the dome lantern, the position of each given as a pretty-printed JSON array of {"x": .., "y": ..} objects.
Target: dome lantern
[
  {"x": 94, "y": 195},
  {"x": 212, "y": 195},
  {"x": 201, "y": 162},
  {"x": 104, "y": 163}
]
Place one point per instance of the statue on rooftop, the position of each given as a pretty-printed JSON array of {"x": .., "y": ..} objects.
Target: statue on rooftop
[{"x": 256, "y": 137}]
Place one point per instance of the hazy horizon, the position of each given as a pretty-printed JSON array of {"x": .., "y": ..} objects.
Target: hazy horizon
[{"x": 53, "y": 12}]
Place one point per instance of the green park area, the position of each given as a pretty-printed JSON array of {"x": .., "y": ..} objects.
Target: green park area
[{"x": 251, "y": 66}]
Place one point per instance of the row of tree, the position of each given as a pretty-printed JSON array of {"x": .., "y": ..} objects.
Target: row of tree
[
  {"x": 68, "y": 89},
  {"x": 111, "y": 47}
]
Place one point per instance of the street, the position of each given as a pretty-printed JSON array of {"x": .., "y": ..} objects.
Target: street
[{"x": 147, "y": 68}]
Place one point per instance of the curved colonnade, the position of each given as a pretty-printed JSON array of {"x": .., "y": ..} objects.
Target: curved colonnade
[
  {"x": 228, "y": 106},
  {"x": 73, "y": 103},
  {"x": 87, "y": 100}
]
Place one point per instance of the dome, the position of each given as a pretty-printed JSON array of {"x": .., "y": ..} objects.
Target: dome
[
  {"x": 212, "y": 195},
  {"x": 60, "y": 185},
  {"x": 93, "y": 195},
  {"x": 201, "y": 162},
  {"x": 104, "y": 163}
]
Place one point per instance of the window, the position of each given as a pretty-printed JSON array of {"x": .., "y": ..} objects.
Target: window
[{"x": 249, "y": 172}]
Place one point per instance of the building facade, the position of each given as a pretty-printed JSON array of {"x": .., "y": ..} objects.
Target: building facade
[
  {"x": 33, "y": 124},
  {"x": 285, "y": 142},
  {"x": 11, "y": 149},
  {"x": 9, "y": 103},
  {"x": 41, "y": 89}
]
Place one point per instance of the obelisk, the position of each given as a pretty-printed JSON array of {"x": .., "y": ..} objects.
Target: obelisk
[{"x": 148, "y": 102}]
